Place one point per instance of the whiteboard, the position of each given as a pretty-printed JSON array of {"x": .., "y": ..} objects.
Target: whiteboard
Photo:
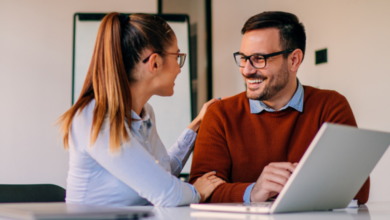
[{"x": 173, "y": 114}]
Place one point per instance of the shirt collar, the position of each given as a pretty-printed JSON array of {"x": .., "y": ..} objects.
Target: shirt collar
[
  {"x": 137, "y": 120},
  {"x": 295, "y": 102}
]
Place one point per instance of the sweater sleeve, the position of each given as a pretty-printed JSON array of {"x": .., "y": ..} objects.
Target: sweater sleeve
[
  {"x": 339, "y": 111},
  {"x": 211, "y": 153}
]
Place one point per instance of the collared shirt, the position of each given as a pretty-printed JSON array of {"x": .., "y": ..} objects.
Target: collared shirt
[
  {"x": 140, "y": 174},
  {"x": 258, "y": 106},
  {"x": 295, "y": 102}
]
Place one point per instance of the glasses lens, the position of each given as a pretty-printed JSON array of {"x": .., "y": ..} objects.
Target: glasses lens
[
  {"x": 240, "y": 60},
  {"x": 258, "y": 61},
  {"x": 180, "y": 59}
]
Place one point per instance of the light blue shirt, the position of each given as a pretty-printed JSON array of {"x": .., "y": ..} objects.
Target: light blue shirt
[
  {"x": 258, "y": 106},
  {"x": 143, "y": 172}
]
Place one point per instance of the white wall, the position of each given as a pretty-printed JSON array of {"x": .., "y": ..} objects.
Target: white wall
[
  {"x": 356, "y": 33},
  {"x": 196, "y": 12},
  {"x": 36, "y": 82}
]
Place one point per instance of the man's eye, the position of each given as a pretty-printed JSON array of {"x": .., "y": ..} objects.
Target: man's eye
[{"x": 258, "y": 59}]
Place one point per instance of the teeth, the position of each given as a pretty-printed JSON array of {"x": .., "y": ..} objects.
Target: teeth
[{"x": 255, "y": 81}]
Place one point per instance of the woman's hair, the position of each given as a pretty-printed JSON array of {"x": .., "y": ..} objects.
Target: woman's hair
[{"x": 120, "y": 41}]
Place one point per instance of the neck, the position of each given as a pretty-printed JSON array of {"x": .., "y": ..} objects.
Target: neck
[
  {"x": 139, "y": 95},
  {"x": 283, "y": 97}
]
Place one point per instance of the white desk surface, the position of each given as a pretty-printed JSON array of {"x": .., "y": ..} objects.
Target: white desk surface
[{"x": 370, "y": 211}]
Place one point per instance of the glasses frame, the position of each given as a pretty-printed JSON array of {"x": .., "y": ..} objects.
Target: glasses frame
[
  {"x": 266, "y": 56},
  {"x": 182, "y": 57}
]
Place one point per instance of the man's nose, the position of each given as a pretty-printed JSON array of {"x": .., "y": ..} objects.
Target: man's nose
[{"x": 248, "y": 69}]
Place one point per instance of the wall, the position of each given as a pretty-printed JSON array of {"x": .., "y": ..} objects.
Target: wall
[
  {"x": 36, "y": 41},
  {"x": 356, "y": 34},
  {"x": 196, "y": 12}
]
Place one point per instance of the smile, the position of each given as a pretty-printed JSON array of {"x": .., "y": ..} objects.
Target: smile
[{"x": 252, "y": 81}]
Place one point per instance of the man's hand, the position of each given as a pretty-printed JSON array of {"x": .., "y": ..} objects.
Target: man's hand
[{"x": 272, "y": 180}]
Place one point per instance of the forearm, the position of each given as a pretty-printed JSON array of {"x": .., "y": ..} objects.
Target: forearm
[
  {"x": 194, "y": 125},
  {"x": 181, "y": 150},
  {"x": 229, "y": 192},
  {"x": 151, "y": 182}
]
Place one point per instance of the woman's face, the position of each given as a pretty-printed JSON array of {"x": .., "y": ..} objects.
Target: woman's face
[{"x": 169, "y": 72}]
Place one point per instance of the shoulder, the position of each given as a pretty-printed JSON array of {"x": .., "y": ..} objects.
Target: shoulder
[
  {"x": 322, "y": 95},
  {"x": 232, "y": 103},
  {"x": 228, "y": 107},
  {"x": 81, "y": 126},
  {"x": 331, "y": 105},
  {"x": 84, "y": 117}
]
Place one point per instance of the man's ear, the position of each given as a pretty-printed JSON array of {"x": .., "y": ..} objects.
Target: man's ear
[
  {"x": 296, "y": 59},
  {"x": 155, "y": 63}
]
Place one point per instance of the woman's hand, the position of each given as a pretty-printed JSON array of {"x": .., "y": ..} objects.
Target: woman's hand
[
  {"x": 206, "y": 184},
  {"x": 196, "y": 122}
]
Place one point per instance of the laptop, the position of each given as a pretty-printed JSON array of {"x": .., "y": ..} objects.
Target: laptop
[
  {"x": 61, "y": 210},
  {"x": 329, "y": 175}
]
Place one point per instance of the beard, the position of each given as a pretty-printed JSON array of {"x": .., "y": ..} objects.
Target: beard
[{"x": 274, "y": 85}]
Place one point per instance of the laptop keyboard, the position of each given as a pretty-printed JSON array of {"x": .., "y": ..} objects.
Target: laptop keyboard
[{"x": 258, "y": 204}]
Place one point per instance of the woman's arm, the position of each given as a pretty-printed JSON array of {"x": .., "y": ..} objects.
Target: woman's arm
[
  {"x": 138, "y": 169},
  {"x": 181, "y": 150}
]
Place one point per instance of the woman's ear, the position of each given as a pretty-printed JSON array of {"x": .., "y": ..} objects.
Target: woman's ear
[{"x": 155, "y": 63}]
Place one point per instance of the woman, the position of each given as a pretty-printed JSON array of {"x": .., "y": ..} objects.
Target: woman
[{"x": 116, "y": 155}]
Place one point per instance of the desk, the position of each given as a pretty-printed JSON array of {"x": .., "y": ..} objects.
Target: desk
[{"x": 371, "y": 211}]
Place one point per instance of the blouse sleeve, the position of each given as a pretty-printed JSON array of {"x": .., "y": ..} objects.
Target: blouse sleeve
[
  {"x": 181, "y": 150},
  {"x": 134, "y": 166}
]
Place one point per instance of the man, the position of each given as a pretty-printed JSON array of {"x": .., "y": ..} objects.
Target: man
[{"x": 255, "y": 139}]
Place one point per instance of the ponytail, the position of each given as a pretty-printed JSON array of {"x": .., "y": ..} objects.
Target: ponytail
[{"x": 119, "y": 43}]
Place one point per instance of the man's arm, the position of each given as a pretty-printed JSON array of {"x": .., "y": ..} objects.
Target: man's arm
[
  {"x": 212, "y": 154},
  {"x": 339, "y": 111}
]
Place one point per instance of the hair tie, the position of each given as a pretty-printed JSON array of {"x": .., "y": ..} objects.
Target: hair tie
[{"x": 124, "y": 19}]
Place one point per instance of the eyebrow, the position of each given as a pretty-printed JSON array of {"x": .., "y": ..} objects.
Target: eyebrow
[{"x": 252, "y": 53}]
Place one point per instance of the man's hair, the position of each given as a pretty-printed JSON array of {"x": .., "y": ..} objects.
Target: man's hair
[{"x": 291, "y": 31}]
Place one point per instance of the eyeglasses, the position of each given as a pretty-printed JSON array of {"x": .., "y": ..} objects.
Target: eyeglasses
[
  {"x": 258, "y": 61},
  {"x": 181, "y": 57}
]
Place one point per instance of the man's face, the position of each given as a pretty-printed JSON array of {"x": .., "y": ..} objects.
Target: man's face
[{"x": 264, "y": 84}]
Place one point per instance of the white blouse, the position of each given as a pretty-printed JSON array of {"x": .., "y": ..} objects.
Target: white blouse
[{"x": 143, "y": 172}]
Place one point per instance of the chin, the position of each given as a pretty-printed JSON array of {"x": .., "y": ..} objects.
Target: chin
[
  {"x": 252, "y": 94},
  {"x": 166, "y": 93}
]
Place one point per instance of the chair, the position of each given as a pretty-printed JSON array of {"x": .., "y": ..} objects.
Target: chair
[{"x": 31, "y": 193}]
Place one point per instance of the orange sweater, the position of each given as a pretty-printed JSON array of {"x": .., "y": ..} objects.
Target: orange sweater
[{"x": 238, "y": 144}]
